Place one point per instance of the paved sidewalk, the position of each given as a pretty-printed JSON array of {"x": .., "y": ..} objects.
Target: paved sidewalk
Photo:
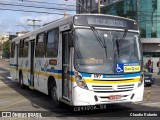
[
  {"x": 155, "y": 75},
  {"x": 5, "y": 64}
]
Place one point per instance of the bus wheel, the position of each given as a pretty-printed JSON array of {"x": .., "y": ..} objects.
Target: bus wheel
[
  {"x": 21, "y": 81},
  {"x": 54, "y": 95}
]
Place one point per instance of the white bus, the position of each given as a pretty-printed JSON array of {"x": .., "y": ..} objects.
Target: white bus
[{"x": 87, "y": 59}]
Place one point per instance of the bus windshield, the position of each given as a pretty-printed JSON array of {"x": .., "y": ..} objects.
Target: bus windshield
[{"x": 91, "y": 57}]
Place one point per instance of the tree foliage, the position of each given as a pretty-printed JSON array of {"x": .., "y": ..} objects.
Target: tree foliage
[{"x": 6, "y": 49}]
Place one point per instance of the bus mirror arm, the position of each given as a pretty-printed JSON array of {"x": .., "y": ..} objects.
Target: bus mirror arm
[{"x": 70, "y": 42}]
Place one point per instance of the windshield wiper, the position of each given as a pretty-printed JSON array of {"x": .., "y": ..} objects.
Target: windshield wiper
[
  {"x": 117, "y": 46},
  {"x": 125, "y": 32},
  {"x": 117, "y": 41},
  {"x": 98, "y": 37},
  {"x": 96, "y": 34}
]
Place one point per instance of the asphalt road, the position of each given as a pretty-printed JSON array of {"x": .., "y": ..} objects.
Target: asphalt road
[{"x": 15, "y": 99}]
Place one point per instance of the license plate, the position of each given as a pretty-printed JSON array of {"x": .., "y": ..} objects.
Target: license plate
[
  {"x": 114, "y": 97},
  {"x": 147, "y": 80}
]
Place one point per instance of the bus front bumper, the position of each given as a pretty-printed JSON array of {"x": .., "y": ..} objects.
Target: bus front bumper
[{"x": 83, "y": 97}]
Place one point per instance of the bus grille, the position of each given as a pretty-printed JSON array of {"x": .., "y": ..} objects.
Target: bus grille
[{"x": 112, "y": 88}]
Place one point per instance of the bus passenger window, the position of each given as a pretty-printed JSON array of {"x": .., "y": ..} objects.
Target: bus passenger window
[
  {"x": 39, "y": 50},
  {"x": 21, "y": 45},
  {"x": 52, "y": 43},
  {"x": 12, "y": 49},
  {"x": 23, "y": 48}
]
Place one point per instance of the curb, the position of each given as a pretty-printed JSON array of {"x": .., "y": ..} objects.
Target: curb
[{"x": 155, "y": 75}]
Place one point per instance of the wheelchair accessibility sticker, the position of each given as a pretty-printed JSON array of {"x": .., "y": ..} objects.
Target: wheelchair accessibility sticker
[
  {"x": 119, "y": 68},
  {"x": 127, "y": 67}
]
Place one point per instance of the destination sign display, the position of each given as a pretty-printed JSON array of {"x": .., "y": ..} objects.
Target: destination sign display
[
  {"x": 128, "y": 69},
  {"x": 107, "y": 21}
]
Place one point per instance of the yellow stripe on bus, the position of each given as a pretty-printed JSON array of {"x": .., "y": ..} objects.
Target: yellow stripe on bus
[
  {"x": 112, "y": 82},
  {"x": 11, "y": 67},
  {"x": 57, "y": 76}
]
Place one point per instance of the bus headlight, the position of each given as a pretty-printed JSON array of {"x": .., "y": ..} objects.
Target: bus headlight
[
  {"x": 140, "y": 81},
  {"x": 80, "y": 82}
]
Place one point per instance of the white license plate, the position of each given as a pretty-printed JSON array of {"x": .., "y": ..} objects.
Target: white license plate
[
  {"x": 114, "y": 97},
  {"x": 147, "y": 80}
]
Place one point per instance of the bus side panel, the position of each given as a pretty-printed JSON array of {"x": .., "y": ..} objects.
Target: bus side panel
[
  {"x": 40, "y": 75},
  {"x": 49, "y": 67},
  {"x": 59, "y": 82},
  {"x": 23, "y": 66},
  {"x": 23, "y": 61},
  {"x": 43, "y": 70},
  {"x": 14, "y": 64},
  {"x": 13, "y": 71}
]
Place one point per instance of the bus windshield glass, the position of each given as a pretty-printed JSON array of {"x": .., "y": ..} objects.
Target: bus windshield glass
[{"x": 100, "y": 52}]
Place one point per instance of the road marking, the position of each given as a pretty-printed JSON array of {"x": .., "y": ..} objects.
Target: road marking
[
  {"x": 11, "y": 104},
  {"x": 10, "y": 78},
  {"x": 151, "y": 104},
  {"x": 1, "y": 102},
  {"x": 9, "y": 97}
]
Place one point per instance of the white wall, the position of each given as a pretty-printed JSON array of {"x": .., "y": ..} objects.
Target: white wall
[{"x": 150, "y": 47}]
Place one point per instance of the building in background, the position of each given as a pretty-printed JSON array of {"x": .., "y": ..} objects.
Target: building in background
[
  {"x": 3, "y": 39},
  {"x": 21, "y": 33},
  {"x": 145, "y": 12},
  {"x": 92, "y": 5}
]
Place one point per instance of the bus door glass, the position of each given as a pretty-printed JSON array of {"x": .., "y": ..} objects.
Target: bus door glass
[
  {"x": 32, "y": 64},
  {"x": 16, "y": 57},
  {"x": 66, "y": 67}
]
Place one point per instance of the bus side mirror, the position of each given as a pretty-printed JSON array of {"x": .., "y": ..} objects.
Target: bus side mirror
[
  {"x": 70, "y": 40},
  {"x": 70, "y": 43}
]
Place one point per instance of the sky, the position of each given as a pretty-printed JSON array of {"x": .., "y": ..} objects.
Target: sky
[{"x": 13, "y": 18}]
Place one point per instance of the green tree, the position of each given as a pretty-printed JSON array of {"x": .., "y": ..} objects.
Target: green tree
[{"x": 6, "y": 49}]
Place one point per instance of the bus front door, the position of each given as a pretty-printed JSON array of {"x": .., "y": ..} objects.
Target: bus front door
[
  {"x": 16, "y": 55},
  {"x": 65, "y": 66}
]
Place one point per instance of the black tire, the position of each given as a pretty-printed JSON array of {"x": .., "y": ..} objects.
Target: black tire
[
  {"x": 21, "y": 81},
  {"x": 54, "y": 95}
]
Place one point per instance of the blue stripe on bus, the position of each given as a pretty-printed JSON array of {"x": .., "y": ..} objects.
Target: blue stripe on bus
[
  {"x": 122, "y": 76},
  {"x": 113, "y": 76},
  {"x": 86, "y": 74},
  {"x": 14, "y": 65},
  {"x": 52, "y": 70},
  {"x": 49, "y": 70},
  {"x": 70, "y": 72}
]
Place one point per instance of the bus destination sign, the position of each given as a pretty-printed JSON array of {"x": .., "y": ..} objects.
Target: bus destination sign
[{"x": 106, "y": 22}]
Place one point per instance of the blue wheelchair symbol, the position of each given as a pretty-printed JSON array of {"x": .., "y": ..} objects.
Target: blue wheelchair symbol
[{"x": 119, "y": 68}]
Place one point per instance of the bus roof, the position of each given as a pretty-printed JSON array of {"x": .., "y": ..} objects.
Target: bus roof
[
  {"x": 61, "y": 22},
  {"x": 105, "y": 15}
]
